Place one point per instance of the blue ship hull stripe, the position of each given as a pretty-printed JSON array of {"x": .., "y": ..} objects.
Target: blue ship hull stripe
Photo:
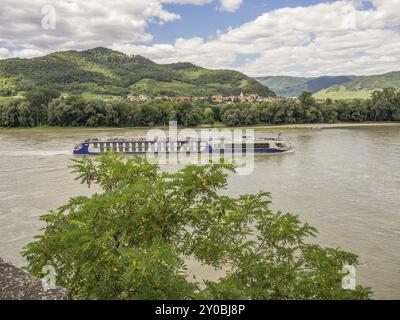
[{"x": 84, "y": 150}]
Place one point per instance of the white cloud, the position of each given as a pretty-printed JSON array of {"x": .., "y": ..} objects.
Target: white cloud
[
  {"x": 81, "y": 24},
  {"x": 328, "y": 38},
  {"x": 224, "y": 5},
  {"x": 230, "y": 5},
  {"x": 195, "y": 2},
  {"x": 4, "y": 53}
]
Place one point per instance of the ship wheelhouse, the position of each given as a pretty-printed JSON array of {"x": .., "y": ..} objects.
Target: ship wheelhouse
[{"x": 253, "y": 146}]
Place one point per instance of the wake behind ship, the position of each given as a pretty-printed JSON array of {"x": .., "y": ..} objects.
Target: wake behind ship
[{"x": 188, "y": 145}]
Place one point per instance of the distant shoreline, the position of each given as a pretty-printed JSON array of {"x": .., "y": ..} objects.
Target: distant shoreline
[
  {"x": 310, "y": 126},
  {"x": 329, "y": 125}
]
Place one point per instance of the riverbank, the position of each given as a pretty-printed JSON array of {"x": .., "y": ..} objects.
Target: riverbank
[
  {"x": 330, "y": 125},
  {"x": 311, "y": 126}
]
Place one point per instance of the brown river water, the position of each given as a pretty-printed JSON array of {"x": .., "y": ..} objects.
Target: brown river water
[{"x": 344, "y": 181}]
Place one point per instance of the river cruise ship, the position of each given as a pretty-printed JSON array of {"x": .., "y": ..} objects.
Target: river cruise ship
[{"x": 187, "y": 146}]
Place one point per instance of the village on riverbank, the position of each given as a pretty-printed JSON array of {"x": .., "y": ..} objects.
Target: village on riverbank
[{"x": 216, "y": 99}]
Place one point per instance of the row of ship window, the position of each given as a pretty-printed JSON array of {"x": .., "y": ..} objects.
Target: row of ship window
[{"x": 194, "y": 146}]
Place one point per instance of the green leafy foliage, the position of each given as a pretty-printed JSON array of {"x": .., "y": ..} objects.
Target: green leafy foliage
[
  {"x": 7, "y": 86},
  {"x": 133, "y": 238}
]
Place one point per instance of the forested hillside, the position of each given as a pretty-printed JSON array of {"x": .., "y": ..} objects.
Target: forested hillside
[
  {"x": 287, "y": 86},
  {"x": 108, "y": 72},
  {"x": 362, "y": 87}
]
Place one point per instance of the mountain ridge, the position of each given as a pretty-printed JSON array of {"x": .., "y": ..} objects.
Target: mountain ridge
[
  {"x": 361, "y": 87},
  {"x": 105, "y": 71},
  {"x": 288, "y": 86},
  {"x": 334, "y": 87}
]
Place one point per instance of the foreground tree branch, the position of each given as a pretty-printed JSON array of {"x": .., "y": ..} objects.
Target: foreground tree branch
[{"x": 132, "y": 240}]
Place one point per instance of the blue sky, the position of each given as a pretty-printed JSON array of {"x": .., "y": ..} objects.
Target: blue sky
[
  {"x": 257, "y": 37},
  {"x": 204, "y": 21}
]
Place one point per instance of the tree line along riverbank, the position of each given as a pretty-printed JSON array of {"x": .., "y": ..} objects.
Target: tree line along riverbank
[{"x": 45, "y": 107}]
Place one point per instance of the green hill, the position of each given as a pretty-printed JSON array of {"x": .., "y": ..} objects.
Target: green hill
[
  {"x": 282, "y": 85},
  {"x": 108, "y": 72},
  {"x": 293, "y": 86},
  {"x": 361, "y": 87}
]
